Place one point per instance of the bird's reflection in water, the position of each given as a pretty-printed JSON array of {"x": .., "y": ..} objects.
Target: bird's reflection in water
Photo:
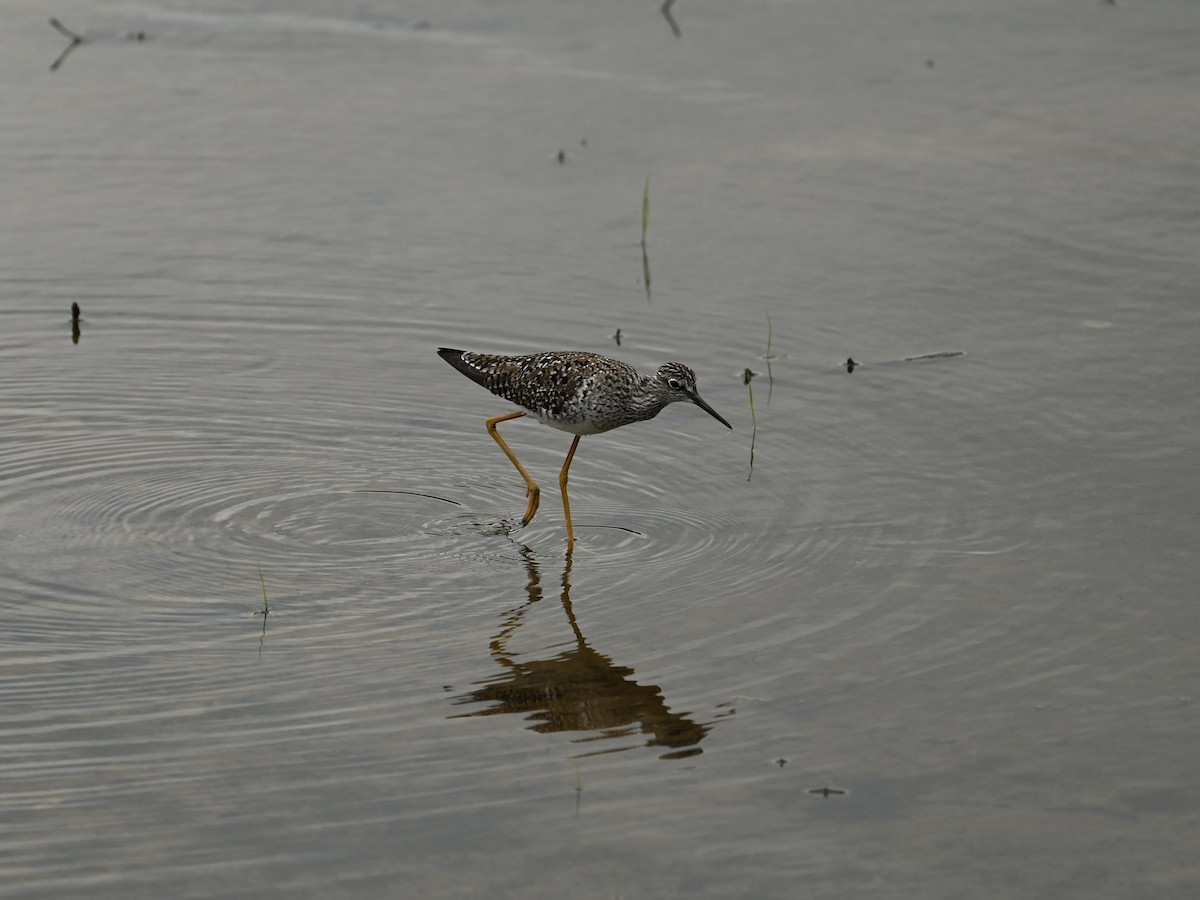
[{"x": 579, "y": 690}]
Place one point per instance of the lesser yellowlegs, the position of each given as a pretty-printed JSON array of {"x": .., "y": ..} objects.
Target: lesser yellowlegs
[{"x": 583, "y": 393}]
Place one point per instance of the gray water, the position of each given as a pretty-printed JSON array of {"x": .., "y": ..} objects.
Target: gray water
[{"x": 939, "y": 640}]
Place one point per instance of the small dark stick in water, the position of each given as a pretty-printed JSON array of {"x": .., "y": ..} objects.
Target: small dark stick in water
[
  {"x": 75, "y": 39},
  {"x": 666, "y": 11},
  {"x": 827, "y": 791}
]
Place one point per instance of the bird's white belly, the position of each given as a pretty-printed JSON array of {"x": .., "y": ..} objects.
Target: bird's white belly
[{"x": 581, "y": 427}]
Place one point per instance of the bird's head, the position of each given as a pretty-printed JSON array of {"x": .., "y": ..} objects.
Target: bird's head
[{"x": 678, "y": 382}]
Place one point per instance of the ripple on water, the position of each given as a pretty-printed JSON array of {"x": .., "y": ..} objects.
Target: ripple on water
[{"x": 379, "y": 518}]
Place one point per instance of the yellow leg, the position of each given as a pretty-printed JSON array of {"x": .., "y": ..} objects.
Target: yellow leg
[
  {"x": 532, "y": 490},
  {"x": 562, "y": 486}
]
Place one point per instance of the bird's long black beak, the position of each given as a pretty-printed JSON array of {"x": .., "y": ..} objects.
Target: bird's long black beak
[{"x": 708, "y": 409}]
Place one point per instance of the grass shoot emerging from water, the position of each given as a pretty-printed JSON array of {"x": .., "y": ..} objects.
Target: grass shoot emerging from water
[
  {"x": 747, "y": 378},
  {"x": 266, "y": 610}
]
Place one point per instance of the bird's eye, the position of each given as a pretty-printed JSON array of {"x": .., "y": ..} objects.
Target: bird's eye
[{"x": 673, "y": 383}]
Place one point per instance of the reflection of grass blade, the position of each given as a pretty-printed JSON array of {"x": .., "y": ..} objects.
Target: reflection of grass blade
[
  {"x": 266, "y": 610},
  {"x": 578, "y": 784},
  {"x": 749, "y": 376},
  {"x": 646, "y": 271},
  {"x": 645, "y": 226},
  {"x": 645, "y": 210},
  {"x": 768, "y": 357}
]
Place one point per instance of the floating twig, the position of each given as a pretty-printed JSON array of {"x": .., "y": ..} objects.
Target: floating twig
[
  {"x": 75, "y": 39},
  {"x": 410, "y": 493},
  {"x": 617, "y": 528},
  {"x": 827, "y": 791},
  {"x": 944, "y": 354}
]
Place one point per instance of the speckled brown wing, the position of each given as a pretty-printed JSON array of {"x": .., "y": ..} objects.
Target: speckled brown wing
[
  {"x": 545, "y": 382},
  {"x": 482, "y": 368}
]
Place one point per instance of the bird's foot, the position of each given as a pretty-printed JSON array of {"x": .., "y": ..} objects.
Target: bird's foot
[{"x": 535, "y": 498}]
